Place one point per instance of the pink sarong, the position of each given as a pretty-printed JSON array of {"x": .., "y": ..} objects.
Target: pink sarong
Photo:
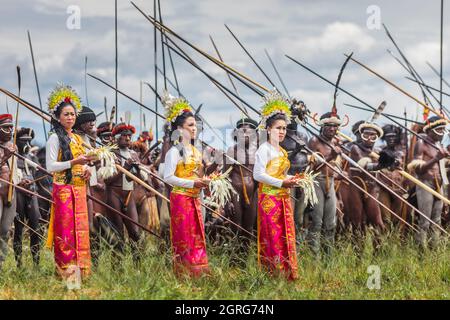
[
  {"x": 70, "y": 228},
  {"x": 187, "y": 235},
  {"x": 276, "y": 235}
]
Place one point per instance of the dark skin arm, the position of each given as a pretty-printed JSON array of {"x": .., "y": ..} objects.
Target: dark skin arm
[
  {"x": 356, "y": 154},
  {"x": 419, "y": 152}
]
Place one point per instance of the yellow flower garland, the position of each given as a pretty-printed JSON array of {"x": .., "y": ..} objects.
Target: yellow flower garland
[{"x": 63, "y": 93}]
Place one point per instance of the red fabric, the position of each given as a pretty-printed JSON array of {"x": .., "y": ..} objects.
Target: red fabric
[
  {"x": 122, "y": 127},
  {"x": 6, "y": 116}
]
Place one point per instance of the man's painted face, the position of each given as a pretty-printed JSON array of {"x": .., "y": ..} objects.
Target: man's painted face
[
  {"x": 106, "y": 137},
  {"x": 391, "y": 139},
  {"x": 437, "y": 133},
  {"x": 124, "y": 141},
  {"x": 89, "y": 128},
  {"x": 6, "y": 132},
  {"x": 24, "y": 144},
  {"x": 369, "y": 136},
  {"x": 329, "y": 131}
]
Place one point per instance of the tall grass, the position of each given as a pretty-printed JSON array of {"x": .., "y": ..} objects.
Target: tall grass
[{"x": 405, "y": 274}]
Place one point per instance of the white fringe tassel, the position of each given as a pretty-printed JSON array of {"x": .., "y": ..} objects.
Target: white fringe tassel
[
  {"x": 221, "y": 189},
  {"x": 107, "y": 160},
  {"x": 306, "y": 181}
]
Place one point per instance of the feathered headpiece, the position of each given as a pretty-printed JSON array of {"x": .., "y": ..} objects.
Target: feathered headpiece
[
  {"x": 123, "y": 128},
  {"x": 274, "y": 103},
  {"x": 332, "y": 117},
  {"x": 174, "y": 106},
  {"x": 371, "y": 123},
  {"x": 433, "y": 123},
  {"x": 63, "y": 93}
]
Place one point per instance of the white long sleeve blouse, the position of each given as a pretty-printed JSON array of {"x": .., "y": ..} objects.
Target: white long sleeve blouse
[
  {"x": 264, "y": 154},
  {"x": 51, "y": 156},
  {"x": 170, "y": 165}
]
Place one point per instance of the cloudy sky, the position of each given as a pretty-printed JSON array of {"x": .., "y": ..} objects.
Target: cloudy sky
[{"x": 315, "y": 32}]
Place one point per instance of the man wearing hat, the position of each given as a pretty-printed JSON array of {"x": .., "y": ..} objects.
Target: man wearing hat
[
  {"x": 104, "y": 132},
  {"x": 429, "y": 165},
  {"x": 7, "y": 210},
  {"x": 244, "y": 206},
  {"x": 27, "y": 205},
  {"x": 119, "y": 189},
  {"x": 86, "y": 129},
  {"x": 323, "y": 215},
  {"x": 363, "y": 209},
  {"x": 393, "y": 138}
]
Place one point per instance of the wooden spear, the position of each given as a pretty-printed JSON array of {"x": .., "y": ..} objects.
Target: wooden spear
[
  {"x": 436, "y": 112},
  {"x": 418, "y": 183},
  {"x": 13, "y": 159}
]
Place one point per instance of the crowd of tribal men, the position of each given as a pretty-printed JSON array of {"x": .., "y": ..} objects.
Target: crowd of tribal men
[{"x": 342, "y": 205}]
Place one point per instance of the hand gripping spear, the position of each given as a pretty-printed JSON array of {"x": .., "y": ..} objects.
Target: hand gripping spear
[{"x": 322, "y": 160}]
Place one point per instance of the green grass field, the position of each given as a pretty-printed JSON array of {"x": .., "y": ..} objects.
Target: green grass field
[{"x": 404, "y": 275}]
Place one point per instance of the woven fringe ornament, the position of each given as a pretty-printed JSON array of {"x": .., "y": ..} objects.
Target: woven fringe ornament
[
  {"x": 221, "y": 189},
  {"x": 306, "y": 181},
  {"x": 107, "y": 160}
]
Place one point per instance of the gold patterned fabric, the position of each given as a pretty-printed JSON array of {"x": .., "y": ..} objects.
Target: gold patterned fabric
[
  {"x": 77, "y": 148},
  {"x": 189, "y": 168},
  {"x": 68, "y": 231},
  {"x": 277, "y": 168}
]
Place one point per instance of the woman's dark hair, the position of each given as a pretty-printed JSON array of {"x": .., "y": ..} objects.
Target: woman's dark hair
[
  {"x": 63, "y": 138},
  {"x": 275, "y": 117},
  {"x": 179, "y": 121}
]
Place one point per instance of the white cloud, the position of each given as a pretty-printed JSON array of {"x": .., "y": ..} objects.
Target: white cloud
[{"x": 336, "y": 37}]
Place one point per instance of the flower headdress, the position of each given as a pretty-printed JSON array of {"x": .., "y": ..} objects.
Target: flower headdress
[
  {"x": 274, "y": 102},
  {"x": 174, "y": 106},
  {"x": 63, "y": 93}
]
